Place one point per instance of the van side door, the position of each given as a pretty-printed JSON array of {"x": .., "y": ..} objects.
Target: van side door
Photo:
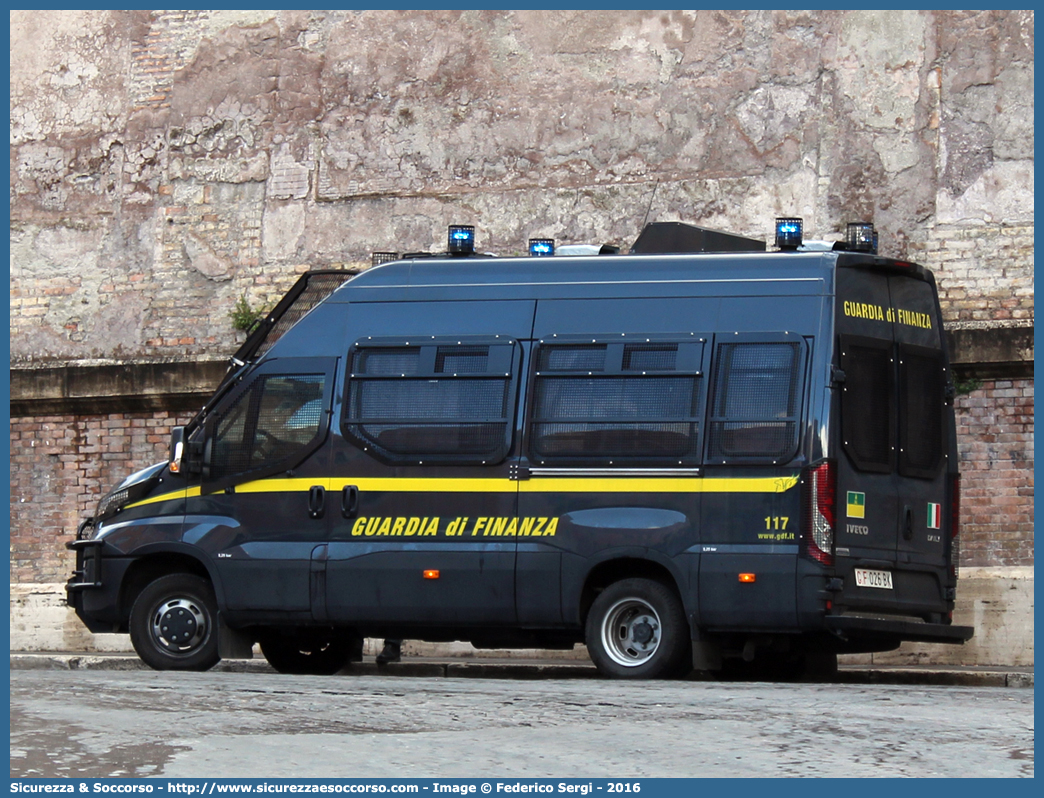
[
  {"x": 425, "y": 530},
  {"x": 611, "y": 462}
]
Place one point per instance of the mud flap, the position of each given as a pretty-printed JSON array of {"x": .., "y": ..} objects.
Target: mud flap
[
  {"x": 706, "y": 655},
  {"x": 233, "y": 644}
]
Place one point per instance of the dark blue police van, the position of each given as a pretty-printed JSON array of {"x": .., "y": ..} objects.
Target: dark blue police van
[{"x": 698, "y": 455}]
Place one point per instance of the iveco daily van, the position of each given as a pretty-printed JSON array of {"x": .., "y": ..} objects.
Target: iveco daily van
[{"x": 697, "y": 454}]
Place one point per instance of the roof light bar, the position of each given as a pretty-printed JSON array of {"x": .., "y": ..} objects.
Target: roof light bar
[
  {"x": 461, "y": 239},
  {"x": 541, "y": 247},
  {"x": 861, "y": 237},
  {"x": 377, "y": 258},
  {"x": 789, "y": 231}
]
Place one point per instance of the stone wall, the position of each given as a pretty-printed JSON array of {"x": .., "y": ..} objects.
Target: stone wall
[{"x": 164, "y": 164}]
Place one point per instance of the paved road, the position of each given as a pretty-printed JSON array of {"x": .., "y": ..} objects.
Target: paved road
[{"x": 142, "y": 723}]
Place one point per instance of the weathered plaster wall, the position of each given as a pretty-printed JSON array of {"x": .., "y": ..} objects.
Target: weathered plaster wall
[{"x": 165, "y": 163}]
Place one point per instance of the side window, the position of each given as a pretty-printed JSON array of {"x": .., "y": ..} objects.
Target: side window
[
  {"x": 756, "y": 401},
  {"x": 922, "y": 395},
  {"x": 867, "y": 403},
  {"x": 437, "y": 401},
  {"x": 274, "y": 421},
  {"x": 616, "y": 402}
]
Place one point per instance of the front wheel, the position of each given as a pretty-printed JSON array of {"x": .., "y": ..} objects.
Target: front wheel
[
  {"x": 173, "y": 624},
  {"x": 320, "y": 653},
  {"x": 636, "y": 629}
]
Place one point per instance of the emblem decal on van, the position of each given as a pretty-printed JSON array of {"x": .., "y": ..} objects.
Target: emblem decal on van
[{"x": 856, "y": 504}]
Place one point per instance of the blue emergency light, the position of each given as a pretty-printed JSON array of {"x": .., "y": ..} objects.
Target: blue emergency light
[
  {"x": 461, "y": 239},
  {"x": 788, "y": 232},
  {"x": 861, "y": 237},
  {"x": 377, "y": 258},
  {"x": 541, "y": 247}
]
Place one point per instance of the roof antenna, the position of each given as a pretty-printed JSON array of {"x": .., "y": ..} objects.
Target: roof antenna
[{"x": 648, "y": 209}]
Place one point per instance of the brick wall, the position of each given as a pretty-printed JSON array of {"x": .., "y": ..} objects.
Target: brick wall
[
  {"x": 984, "y": 272},
  {"x": 995, "y": 440},
  {"x": 60, "y": 466}
]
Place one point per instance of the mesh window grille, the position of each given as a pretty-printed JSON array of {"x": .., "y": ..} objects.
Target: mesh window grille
[
  {"x": 461, "y": 359},
  {"x": 613, "y": 415},
  {"x": 319, "y": 287},
  {"x": 650, "y": 357},
  {"x": 272, "y": 421},
  {"x": 572, "y": 358},
  {"x": 383, "y": 362},
  {"x": 452, "y": 407},
  {"x": 756, "y": 396}
]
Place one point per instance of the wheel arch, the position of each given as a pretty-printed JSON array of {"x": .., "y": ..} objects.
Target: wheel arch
[
  {"x": 627, "y": 566},
  {"x": 153, "y": 564}
]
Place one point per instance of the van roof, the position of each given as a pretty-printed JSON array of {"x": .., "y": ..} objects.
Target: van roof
[{"x": 563, "y": 276}]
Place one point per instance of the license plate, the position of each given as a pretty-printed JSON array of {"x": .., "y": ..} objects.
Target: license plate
[{"x": 867, "y": 578}]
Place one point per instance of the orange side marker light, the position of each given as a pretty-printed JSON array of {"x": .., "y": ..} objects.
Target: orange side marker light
[
  {"x": 431, "y": 573},
  {"x": 747, "y": 578}
]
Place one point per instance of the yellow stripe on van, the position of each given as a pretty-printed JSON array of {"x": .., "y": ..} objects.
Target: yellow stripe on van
[
  {"x": 659, "y": 485},
  {"x": 534, "y": 485},
  {"x": 166, "y": 497}
]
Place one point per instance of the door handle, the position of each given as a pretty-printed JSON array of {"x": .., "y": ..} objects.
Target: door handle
[
  {"x": 316, "y": 501},
  {"x": 908, "y": 525},
  {"x": 349, "y": 501}
]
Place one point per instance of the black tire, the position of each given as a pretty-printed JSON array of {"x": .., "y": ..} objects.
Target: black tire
[
  {"x": 173, "y": 624},
  {"x": 318, "y": 653},
  {"x": 636, "y": 629}
]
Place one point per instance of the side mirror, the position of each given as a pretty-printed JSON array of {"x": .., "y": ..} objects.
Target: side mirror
[
  {"x": 185, "y": 456},
  {"x": 177, "y": 450}
]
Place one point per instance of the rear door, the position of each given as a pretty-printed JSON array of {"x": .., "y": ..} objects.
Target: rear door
[
  {"x": 923, "y": 460},
  {"x": 892, "y": 448}
]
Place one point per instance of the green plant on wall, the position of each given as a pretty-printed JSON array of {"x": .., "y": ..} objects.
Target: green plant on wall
[
  {"x": 244, "y": 316},
  {"x": 966, "y": 385}
]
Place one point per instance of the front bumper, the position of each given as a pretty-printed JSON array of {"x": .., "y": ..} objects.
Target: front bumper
[{"x": 93, "y": 591}]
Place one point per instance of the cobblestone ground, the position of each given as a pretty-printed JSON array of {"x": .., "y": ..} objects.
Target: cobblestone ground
[{"x": 141, "y": 724}]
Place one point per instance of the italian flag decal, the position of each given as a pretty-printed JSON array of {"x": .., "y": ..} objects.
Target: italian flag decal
[
  {"x": 934, "y": 516},
  {"x": 856, "y": 504}
]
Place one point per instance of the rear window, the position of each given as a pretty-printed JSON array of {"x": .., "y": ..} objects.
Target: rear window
[
  {"x": 892, "y": 406},
  {"x": 922, "y": 397},
  {"x": 867, "y": 403}
]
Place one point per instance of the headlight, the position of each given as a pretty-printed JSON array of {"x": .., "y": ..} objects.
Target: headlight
[
  {"x": 116, "y": 500},
  {"x": 87, "y": 529},
  {"x": 112, "y": 502}
]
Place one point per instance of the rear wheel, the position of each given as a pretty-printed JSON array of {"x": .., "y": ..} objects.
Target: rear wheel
[
  {"x": 316, "y": 652},
  {"x": 173, "y": 624},
  {"x": 636, "y": 629}
]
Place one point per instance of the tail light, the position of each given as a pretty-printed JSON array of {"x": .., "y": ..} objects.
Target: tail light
[
  {"x": 818, "y": 527},
  {"x": 955, "y": 524}
]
